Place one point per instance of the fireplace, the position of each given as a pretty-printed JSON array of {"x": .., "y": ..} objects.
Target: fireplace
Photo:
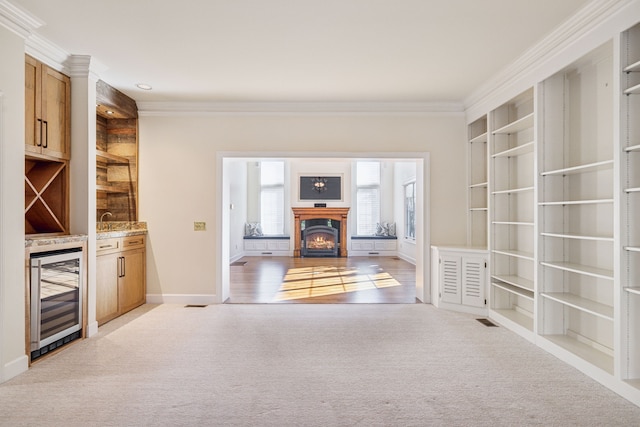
[
  {"x": 319, "y": 240},
  {"x": 335, "y": 222}
]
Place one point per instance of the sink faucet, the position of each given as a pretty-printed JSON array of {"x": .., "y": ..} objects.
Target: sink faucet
[{"x": 102, "y": 218}]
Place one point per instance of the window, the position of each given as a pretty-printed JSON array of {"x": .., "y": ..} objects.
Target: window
[
  {"x": 272, "y": 197},
  {"x": 410, "y": 211},
  {"x": 367, "y": 197}
]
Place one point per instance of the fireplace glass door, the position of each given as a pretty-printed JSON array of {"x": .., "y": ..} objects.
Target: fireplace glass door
[{"x": 320, "y": 240}]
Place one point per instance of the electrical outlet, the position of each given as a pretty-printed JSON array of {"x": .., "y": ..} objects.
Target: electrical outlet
[{"x": 199, "y": 226}]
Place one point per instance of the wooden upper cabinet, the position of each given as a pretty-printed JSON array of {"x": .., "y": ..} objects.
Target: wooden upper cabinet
[{"x": 47, "y": 110}]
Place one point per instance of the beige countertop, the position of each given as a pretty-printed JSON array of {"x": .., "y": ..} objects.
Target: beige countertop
[{"x": 114, "y": 229}]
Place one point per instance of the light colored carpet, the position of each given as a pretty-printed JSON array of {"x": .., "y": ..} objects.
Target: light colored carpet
[{"x": 306, "y": 365}]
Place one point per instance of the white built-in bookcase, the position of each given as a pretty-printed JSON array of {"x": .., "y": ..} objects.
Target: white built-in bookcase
[
  {"x": 563, "y": 212},
  {"x": 512, "y": 239},
  {"x": 576, "y": 209},
  {"x": 630, "y": 206},
  {"x": 477, "y": 183}
]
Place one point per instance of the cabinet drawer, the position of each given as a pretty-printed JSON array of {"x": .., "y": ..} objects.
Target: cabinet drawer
[
  {"x": 107, "y": 245},
  {"x": 133, "y": 242}
]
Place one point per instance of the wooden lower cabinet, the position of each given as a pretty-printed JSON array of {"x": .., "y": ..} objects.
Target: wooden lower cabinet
[{"x": 120, "y": 276}]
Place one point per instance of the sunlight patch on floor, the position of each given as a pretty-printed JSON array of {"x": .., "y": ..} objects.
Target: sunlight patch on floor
[{"x": 309, "y": 282}]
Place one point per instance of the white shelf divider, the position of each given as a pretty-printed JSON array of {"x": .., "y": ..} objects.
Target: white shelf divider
[
  {"x": 591, "y": 167},
  {"x": 514, "y": 254},
  {"x": 514, "y": 290},
  {"x": 633, "y": 90},
  {"x": 582, "y": 304},
  {"x": 516, "y": 126},
  {"x": 577, "y": 202},
  {"x": 578, "y": 236},
  {"x": 517, "y": 281},
  {"x": 513, "y": 190},
  {"x": 480, "y": 138},
  {"x": 512, "y": 223},
  {"x": 635, "y": 67},
  {"x": 479, "y": 185},
  {"x": 586, "y": 270},
  {"x": 516, "y": 151}
]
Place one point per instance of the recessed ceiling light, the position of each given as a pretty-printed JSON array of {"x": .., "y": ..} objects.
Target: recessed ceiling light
[
  {"x": 109, "y": 112},
  {"x": 144, "y": 86}
]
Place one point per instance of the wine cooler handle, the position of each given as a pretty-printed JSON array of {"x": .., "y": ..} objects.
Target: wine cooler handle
[{"x": 36, "y": 304}]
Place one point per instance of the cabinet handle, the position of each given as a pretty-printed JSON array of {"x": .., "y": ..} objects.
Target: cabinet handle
[
  {"x": 39, "y": 142},
  {"x": 121, "y": 265},
  {"x": 105, "y": 246},
  {"x": 46, "y": 134},
  {"x": 124, "y": 265}
]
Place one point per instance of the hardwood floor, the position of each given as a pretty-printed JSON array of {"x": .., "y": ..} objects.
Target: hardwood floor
[{"x": 380, "y": 280}]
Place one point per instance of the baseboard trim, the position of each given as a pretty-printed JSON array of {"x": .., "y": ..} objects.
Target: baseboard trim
[
  {"x": 406, "y": 258},
  {"x": 181, "y": 299},
  {"x": 14, "y": 368},
  {"x": 92, "y": 329}
]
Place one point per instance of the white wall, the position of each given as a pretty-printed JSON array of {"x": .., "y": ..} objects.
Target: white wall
[
  {"x": 12, "y": 262},
  {"x": 177, "y": 176}
]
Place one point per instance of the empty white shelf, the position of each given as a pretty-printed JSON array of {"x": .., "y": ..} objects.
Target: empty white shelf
[
  {"x": 632, "y": 90},
  {"x": 516, "y": 317},
  {"x": 515, "y": 254},
  {"x": 577, "y": 202},
  {"x": 512, "y": 223},
  {"x": 632, "y": 248},
  {"x": 516, "y": 126},
  {"x": 581, "y": 269},
  {"x": 516, "y": 151},
  {"x": 577, "y": 236},
  {"x": 513, "y": 190},
  {"x": 479, "y": 185},
  {"x": 583, "y": 304},
  {"x": 514, "y": 290},
  {"x": 632, "y": 148},
  {"x": 479, "y": 138},
  {"x": 584, "y": 351},
  {"x": 517, "y": 281},
  {"x": 606, "y": 164},
  {"x": 632, "y": 190},
  {"x": 632, "y": 67},
  {"x": 633, "y": 290},
  {"x": 478, "y": 209}
]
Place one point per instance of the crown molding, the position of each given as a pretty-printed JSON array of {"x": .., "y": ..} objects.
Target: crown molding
[
  {"x": 84, "y": 66},
  {"x": 585, "y": 20},
  {"x": 18, "y": 20},
  {"x": 45, "y": 51},
  {"x": 257, "y": 108}
]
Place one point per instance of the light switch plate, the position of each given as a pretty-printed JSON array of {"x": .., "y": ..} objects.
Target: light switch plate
[{"x": 199, "y": 226}]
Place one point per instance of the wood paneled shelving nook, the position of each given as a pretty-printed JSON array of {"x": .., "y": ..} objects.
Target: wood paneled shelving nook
[
  {"x": 576, "y": 210},
  {"x": 116, "y": 154},
  {"x": 512, "y": 238},
  {"x": 630, "y": 206},
  {"x": 477, "y": 183}
]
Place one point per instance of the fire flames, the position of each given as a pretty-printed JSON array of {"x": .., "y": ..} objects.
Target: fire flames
[{"x": 319, "y": 242}]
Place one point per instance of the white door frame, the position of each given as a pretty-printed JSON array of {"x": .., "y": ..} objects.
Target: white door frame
[{"x": 423, "y": 231}]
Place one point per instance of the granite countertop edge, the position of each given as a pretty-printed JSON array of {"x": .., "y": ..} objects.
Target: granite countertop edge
[
  {"x": 54, "y": 240},
  {"x": 101, "y": 235}
]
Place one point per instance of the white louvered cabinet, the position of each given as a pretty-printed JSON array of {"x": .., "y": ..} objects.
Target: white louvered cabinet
[{"x": 460, "y": 278}]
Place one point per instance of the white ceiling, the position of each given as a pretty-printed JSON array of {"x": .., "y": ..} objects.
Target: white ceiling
[{"x": 299, "y": 50}]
